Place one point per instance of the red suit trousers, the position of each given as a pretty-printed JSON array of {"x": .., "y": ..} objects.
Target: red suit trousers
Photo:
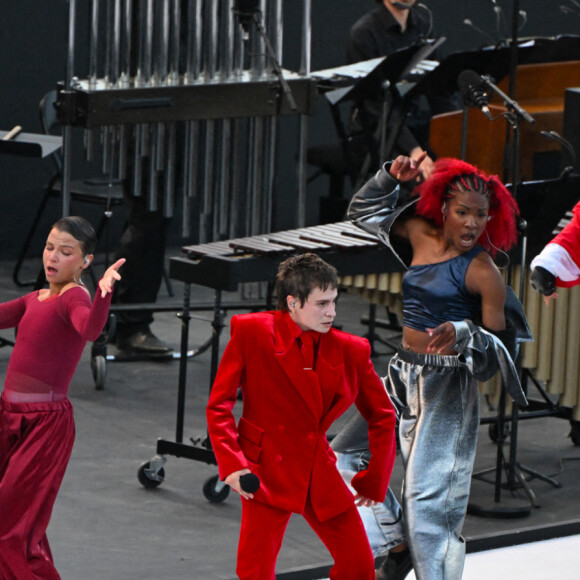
[
  {"x": 36, "y": 441},
  {"x": 263, "y": 528}
]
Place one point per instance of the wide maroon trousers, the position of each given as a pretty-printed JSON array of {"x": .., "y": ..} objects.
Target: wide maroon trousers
[{"x": 36, "y": 441}]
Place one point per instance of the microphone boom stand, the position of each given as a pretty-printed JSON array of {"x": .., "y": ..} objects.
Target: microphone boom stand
[{"x": 514, "y": 469}]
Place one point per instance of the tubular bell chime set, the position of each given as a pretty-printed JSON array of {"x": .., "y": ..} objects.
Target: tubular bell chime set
[{"x": 184, "y": 96}]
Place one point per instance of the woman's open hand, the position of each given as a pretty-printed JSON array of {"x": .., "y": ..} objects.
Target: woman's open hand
[{"x": 109, "y": 278}]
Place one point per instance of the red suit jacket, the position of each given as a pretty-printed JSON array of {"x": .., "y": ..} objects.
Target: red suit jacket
[{"x": 281, "y": 435}]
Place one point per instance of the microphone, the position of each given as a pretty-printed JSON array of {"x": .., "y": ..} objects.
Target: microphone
[
  {"x": 250, "y": 482},
  {"x": 509, "y": 102},
  {"x": 483, "y": 83},
  {"x": 472, "y": 89},
  {"x": 469, "y": 22},
  {"x": 500, "y": 24}
]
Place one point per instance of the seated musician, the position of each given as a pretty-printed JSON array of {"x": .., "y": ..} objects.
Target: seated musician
[
  {"x": 297, "y": 375},
  {"x": 558, "y": 264},
  {"x": 454, "y": 329},
  {"x": 389, "y": 27}
]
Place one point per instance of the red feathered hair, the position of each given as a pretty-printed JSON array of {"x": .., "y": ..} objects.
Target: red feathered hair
[{"x": 501, "y": 228}]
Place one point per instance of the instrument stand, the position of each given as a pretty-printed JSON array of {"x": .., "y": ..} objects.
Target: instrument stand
[
  {"x": 152, "y": 473},
  {"x": 391, "y": 324},
  {"x": 6, "y": 342},
  {"x": 514, "y": 470},
  {"x": 515, "y": 508}
]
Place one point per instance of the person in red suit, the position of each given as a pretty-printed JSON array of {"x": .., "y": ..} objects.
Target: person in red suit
[
  {"x": 297, "y": 375},
  {"x": 558, "y": 264}
]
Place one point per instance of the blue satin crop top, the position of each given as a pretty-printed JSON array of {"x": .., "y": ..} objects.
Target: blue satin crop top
[{"x": 436, "y": 293}]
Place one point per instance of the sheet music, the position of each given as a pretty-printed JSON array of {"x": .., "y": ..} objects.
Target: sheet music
[{"x": 356, "y": 70}]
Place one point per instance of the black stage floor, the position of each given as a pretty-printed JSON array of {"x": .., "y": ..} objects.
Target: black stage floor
[{"x": 107, "y": 526}]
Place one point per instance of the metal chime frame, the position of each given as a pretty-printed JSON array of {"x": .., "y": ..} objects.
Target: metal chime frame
[{"x": 227, "y": 181}]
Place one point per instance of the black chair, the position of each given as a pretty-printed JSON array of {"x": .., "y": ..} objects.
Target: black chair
[{"x": 96, "y": 191}]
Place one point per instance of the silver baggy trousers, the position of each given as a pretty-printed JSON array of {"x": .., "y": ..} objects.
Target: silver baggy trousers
[{"x": 437, "y": 402}]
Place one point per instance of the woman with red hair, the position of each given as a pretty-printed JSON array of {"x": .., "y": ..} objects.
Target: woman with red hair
[{"x": 454, "y": 329}]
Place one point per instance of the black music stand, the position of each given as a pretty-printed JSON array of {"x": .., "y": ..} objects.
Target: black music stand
[
  {"x": 542, "y": 205},
  {"x": 514, "y": 469},
  {"x": 27, "y": 145},
  {"x": 390, "y": 68},
  {"x": 378, "y": 84},
  {"x": 377, "y": 77}
]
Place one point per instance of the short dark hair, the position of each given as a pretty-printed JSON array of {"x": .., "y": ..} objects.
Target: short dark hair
[
  {"x": 299, "y": 275},
  {"x": 80, "y": 229}
]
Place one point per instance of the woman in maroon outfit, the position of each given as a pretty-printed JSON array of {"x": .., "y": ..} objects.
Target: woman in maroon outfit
[{"x": 36, "y": 418}]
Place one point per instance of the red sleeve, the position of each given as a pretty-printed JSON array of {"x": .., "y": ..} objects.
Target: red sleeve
[
  {"x": 11, "y": 312},
  {"x": 375, "y": 406},
  {"x": 569, "y": 239},
  {"x": 221, "y": 423},
  {"x": 88, "y": 320}
]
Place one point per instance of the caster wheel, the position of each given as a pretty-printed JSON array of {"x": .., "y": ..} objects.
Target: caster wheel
[
  {"x": 493, "y": 431},
  {"x": 99, "y": 369},
  {"x": 214, "y": 490},
  {"x": 575, "y": 432},
  {"x": 148, "y": 478}
]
